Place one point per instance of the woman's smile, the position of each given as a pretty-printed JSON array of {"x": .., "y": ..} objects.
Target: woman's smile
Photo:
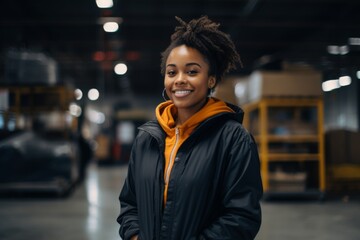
[{"x": 181, "y": 93}]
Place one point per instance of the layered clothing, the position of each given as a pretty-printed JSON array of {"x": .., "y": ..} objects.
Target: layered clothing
[{"x": 200, "y": 180}]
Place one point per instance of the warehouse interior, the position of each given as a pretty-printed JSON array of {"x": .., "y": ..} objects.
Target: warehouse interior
[{"x": 78, "y": 77}]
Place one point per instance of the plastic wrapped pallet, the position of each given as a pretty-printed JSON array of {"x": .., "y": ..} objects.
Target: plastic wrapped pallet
[{"x": 29, "y": 68}]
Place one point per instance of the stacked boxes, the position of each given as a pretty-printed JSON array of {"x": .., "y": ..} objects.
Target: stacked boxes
[
  {"x": 342, "y": 147},
  {"x": 264, "y": 84}
]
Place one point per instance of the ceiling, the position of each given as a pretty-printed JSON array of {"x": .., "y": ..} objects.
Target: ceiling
[{"x": 266, "y": 32}]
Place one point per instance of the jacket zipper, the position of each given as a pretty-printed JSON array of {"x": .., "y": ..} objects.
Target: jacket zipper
[{"x": 172, "y": 157}]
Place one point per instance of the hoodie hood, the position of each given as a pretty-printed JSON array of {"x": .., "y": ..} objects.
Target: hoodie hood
[{"x": 166, "y": 114}]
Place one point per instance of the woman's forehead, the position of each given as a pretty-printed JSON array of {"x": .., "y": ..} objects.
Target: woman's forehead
[{"x": 184, "y": 53}]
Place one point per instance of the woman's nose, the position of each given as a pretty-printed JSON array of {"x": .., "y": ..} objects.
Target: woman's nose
[{"x": 180, "y": 79}]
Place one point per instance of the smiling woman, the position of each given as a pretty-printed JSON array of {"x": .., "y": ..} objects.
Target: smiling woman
[
  {"x": 194, "y": 172},
  {"x": 187, "y": 81}
]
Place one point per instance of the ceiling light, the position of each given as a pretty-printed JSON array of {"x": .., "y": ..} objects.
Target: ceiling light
[
  {"x": 338, "y": 50},
  {"x": 344, "y": 80},
  {"x": 111, "y": 26},
  {"x": 93, "y": 94},
  {"x": 78, "y": 94},
  {"x": 104, "y": 3},
  {"x": 354, "y": 41},
  {"x": 358, "y": 74},
  {"x": 120, "y": 69},
  {"x": 330, "y": 85},
  {"x": 333, "y": 49},
  {"x": 344, "y": 50}
]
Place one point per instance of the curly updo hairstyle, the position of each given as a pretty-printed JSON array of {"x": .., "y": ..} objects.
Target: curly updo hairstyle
[{"x": 216, "y": 46}]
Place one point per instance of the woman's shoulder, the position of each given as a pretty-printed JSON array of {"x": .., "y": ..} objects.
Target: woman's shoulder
[
  {"x": 235, "y": 129},
  {"x": 228, "y": 121},
  {"x": 149, "y": 130}
]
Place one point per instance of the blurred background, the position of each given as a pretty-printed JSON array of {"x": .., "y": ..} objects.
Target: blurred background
[{"x": 78, "y": 77}]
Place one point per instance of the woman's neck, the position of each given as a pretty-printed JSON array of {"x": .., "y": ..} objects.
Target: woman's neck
[
  {"x": 184, "y": 114},
  {"x": 182, "y": 117}
]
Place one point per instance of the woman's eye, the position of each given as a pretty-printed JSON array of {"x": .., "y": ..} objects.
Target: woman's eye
[
  {"x": 192, "y": 72},
  {"x": 171, "y": 72}
]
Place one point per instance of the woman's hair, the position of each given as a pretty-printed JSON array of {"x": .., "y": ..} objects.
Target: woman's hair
[{"x": 204, "y": 35}]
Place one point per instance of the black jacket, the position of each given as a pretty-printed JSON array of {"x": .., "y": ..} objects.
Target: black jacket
[{"x": 214, "y": 188}]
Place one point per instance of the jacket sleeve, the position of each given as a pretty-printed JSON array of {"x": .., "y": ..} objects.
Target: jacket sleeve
[
  {"x": 128, "y": 218},
  {"x": 240, "y": 213}
]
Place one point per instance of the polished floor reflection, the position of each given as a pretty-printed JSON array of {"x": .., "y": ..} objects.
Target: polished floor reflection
[{"x": 90, "y": 212}]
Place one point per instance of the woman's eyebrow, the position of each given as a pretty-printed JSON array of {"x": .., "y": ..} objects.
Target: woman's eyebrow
[
  {"x": 188, "y": 64},
  {"x": 193, "y": 63}
]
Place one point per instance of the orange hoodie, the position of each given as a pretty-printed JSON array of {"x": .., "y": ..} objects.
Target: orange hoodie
[{"x": 175, "y": 135}]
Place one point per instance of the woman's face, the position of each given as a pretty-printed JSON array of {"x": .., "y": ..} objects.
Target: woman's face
[{"x": 187, "y": 79}]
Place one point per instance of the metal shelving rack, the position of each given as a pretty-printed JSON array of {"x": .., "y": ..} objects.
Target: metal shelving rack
[
  {"x": 257, "y": 120},
  {"x": 31, "y": 100}
]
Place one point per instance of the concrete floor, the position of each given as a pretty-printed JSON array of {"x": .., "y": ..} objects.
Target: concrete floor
[{"x": 89, "y": 213}]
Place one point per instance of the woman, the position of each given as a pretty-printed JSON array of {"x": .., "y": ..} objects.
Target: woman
[{"x": 194, "y": 171}]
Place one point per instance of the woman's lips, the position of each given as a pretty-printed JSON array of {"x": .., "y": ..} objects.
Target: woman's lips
[{"x": 182, "y": 93}]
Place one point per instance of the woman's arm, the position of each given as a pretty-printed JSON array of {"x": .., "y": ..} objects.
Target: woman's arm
[
  {"x": 241, "y": 193},
  {"x": 128, "y": 218}
]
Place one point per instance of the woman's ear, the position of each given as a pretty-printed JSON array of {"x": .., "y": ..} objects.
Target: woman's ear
[{"x": 211, "y": 82}]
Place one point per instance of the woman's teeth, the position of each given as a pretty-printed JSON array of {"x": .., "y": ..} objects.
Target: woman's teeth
[{"x": 182, "y": 93}]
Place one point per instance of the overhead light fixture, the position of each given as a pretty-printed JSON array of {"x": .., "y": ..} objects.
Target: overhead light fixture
[
  {"x": 344, "y": 81},
  {"x": 111, "y": 26},
  {"x": 120, "y": 68},
  {"x": 104, "y": 3},
  {"x": 338, "y": 50},
  {"x": 78, "y": 94},
  {"x": 344, "y": 50},
  {"x": 333, "y": 49},
  {"x": 330, "y": 85},
  {"x": 93, "y": 94},
  {"x": 358, "y": 74},
  {"x": 354, "y": 41}
]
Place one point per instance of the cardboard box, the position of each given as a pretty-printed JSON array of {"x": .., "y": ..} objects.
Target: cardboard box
[
  {"x": 337, "y": 146},
  {"x": 305, "y": 83},
  {"x": 354, "y": 147}
]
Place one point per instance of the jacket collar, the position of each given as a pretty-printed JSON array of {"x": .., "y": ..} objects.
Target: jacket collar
[{"x": 155, "y": 130}]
